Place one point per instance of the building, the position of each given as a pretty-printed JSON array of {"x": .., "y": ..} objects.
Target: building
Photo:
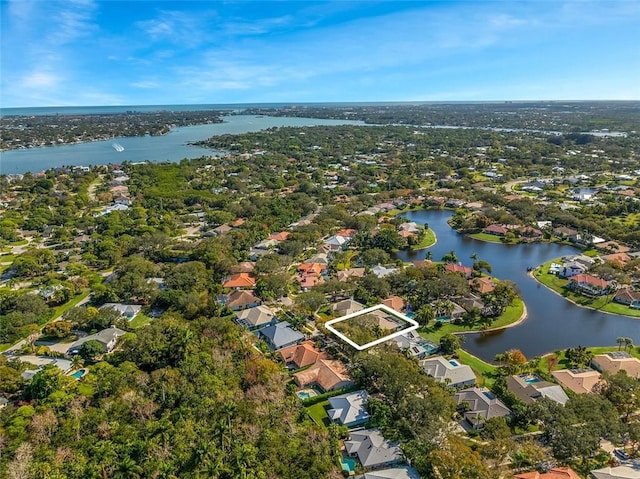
[
  {"x": 478, "y": 405},
  {"x": 588, "y": 285},
  {"x": 580, "y": 381},
  {"x": 349, "y": 409},
  {"x": 372, "y": 449},
  {"x": 555, "y": 473},
  {"x": 627, "y": 296},
  {"x": 302, "y": 355},
  {"x": 328, "y": 374},
  {"x": 528, "y": 388},
  {"x": 255, "y": 317},
  {"x": 129, "y": 311},
  {"x": 240, "y": 299},
  {"x": 403, "y": 472},
  {"x": 450, "y": 372},
  {"x": 280, "y": 335},
  {"x": 347, "y": 306},
  {"x": 107, "y": 338},
  {"x": 615, "y": 362},
  {"x": 240, "y": 280},
  {"x": 620, "y": 472}
]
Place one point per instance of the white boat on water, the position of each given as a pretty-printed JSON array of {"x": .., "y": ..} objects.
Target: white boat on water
[{"x": 118, "y": 147}]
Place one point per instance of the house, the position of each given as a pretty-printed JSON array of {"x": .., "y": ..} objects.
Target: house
[
  {"x": 620, "y": 259},
  {"x": 347, "y": 306},
  {"x": 306, "y": 281},
  {"x": 129, "y": 311},
  {"x": 348, "y": 233},
  {"x": 450, "y": 372},
  {"x": 328, "y": 374},
  {"x": 403, "y": 472},
  {"x": 266, "y": 245},
  {"x": 554, "y": 473},
  {"x": 280, "y": 335},
  {"x": 458, "y": 268},
  {"x": 222, "y": 230},
  {"x": 336, "y": 243},
  {"x": 382, "y": 271},
  {"x": 413, "y": 343},
  {"x": 479, "y": 405},
  {"x": 395, "y": 302},
  {"x": 470, "y": 302},
  {"x": 571, "y": 268},
  {"x": 347, "y": 274},
  {"x": 255, "y": 317},
  {"x": 349, "y": 409},
  {"x": 410, "y": 227},
  {"x": 613, "y": 247},
  {"x": 312, "y": 269},
  {"x": 529, "y": 233},
  {"x": 302, "y": 355},
  {"x": 280, "y": 236},
  {"x": 528, "y": 388},
  {"x": 588, "y": 285},
  {"x": 568, "y": 233},
  {"x": 482, "y": 285},
  {"x": 619, "y": 472},
  {"x": 616, "y": 361},
  {"x": 240, "y": 280},
  {"x": 244, "y": 267},
  {"x": 240, "y": 299},
  {"x": 497, "y": 230},
  {"x": 580, "y": 381},
  {"x": 627, "y": 296},
  {"x": 372, "y": 449},
  {"x": 107, "y": 338}
]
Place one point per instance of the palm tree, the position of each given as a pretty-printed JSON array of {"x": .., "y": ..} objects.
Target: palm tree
[
  {"x": 450, "y": 257},
  {"x": 628, "y": 343},
  {"x": 620, "y": 342},
  {"x": 474, "y": 256}
]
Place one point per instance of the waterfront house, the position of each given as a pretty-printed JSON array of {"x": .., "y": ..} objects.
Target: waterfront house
[
  {"x": 627, "y": 296},
  {"x": 372, "y": 449},
  {"x": 482, "y": 285},
  {"x": 415, "y": 345},
  {"x": 588, "y": 285},
  {"x": 621, "y": 259},
  {"x": 567, "y": 233},
  {"x": 528, "y": 388},
  {"x": 478, "y": 405},
  {"x": 571, "y": 268},
  {"x": 449, "y": 371},
  {"x": 496, "y": 230},
  {"x": 458, "y": 268},
  {"x": 616, "y": 361},
  {"x": 580, "y": 381},
  {"x": 349, "y": 409}
]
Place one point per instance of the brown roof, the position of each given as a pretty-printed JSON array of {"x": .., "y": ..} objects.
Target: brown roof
[
  {"x": 588, "y": 279},
  {"x": 280, "y": 236},
  {"x": 303, "y": 354},
  {"x": 345, "y": 274},
  {"x": 326, "y": 373},
  {"x": 483, "y": 284},
  {"x": 240, "y": 280},
  {"x": 620, "y": 258},
  {"x": 580, "y": 381},
  {"x": 555, "y": 473},
  {"x": 238, "y": 222},
  {"x": 627, "y": 294},
  {"x": 616, "y": 361},
  {"x": 613, "y": 246},
  {"x": 394, "y": 302},
  {"x": 458, "y": 268},
  {"x": 244, "y": 267},
  {"x": 242, "y": 298},
  {"x": 496, "y": 229}
]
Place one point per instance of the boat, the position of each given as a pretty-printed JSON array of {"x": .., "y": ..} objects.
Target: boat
[{"x": 118, "y": 147}]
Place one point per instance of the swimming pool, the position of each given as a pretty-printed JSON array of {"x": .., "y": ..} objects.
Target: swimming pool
[
  {"x": 306, "y": 394},
  {"x": 348, "y": 464},
  {"x": 453, "y": 362},
  {"x": 79, "y": 373}
]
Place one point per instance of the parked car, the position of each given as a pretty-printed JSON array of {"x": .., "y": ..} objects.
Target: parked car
[{"x": 621, "y": 454}]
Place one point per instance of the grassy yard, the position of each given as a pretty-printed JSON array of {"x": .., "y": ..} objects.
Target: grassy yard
[
  {"x": 511, "y": 315},
  {"x": 60, "y": 310},
  {"x": 318, "y": 412},
  {"x": 139, "y": 321},
  {"x": 600, "y": 303},
  {"x": 484, "y": 371},
  {"x": 429, "y": 239},
  {"x": 486, "y": 237},
  {"x": 564, "y": 364}
]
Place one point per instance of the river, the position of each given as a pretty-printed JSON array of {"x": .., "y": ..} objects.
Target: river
[
  {"x": 171, "y": 147},
  {"x": 553, "y": 323}
]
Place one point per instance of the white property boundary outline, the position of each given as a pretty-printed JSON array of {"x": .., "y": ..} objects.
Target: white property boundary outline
[{"x": 392, "y": 312}]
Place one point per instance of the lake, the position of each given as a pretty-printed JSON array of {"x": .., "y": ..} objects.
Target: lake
[
  {"x": 171, "y": 147},
  {"x": 553, "y": 323}
]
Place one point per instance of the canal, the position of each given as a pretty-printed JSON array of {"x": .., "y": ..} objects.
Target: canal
[{"x": 553, "y": 323}]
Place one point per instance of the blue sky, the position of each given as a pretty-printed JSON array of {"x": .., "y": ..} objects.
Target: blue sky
[{"x": 85, "y": 52}]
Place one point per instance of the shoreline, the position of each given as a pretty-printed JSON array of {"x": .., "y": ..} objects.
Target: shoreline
[
  {"x": 517, "y": 322},
  {"x": 530, "y": 273}
]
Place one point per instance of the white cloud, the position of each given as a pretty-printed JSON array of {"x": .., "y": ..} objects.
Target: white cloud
[
  {"x": 145, "y": 84},
  {"x": 38, "y": 80}
]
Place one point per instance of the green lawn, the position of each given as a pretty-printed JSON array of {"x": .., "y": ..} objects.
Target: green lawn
[
  {"x": 139, "y": 321},
  {"x": 563, "y": 363},
  {"x": 486, "y": 237},
  {"x": 484, "y": 371},
  {"x": 429, "y": 239},
  {"x": 600, "y": 303},
  {"x": 60, "y": 310},
  {"x": 318, "y": 412},
  {"x": 512, "y": 314}
]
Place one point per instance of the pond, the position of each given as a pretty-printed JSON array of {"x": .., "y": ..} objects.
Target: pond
[{"x": 553, "y": 323}]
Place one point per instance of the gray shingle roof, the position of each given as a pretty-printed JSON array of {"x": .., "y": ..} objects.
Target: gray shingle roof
[{"x": 372, "y": 448}]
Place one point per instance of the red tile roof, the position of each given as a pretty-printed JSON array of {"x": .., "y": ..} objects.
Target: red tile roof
[
  {"x": 240, "y": 280},
  {"x": 589, "y": 279}
]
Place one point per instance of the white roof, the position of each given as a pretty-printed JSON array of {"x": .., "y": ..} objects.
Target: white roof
[
  {"x": 443, "y": 370},
  {"x": 620, "y": 472},
  {"x": 404, "y": 472},
  {"x": 349, "y": 408}
]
